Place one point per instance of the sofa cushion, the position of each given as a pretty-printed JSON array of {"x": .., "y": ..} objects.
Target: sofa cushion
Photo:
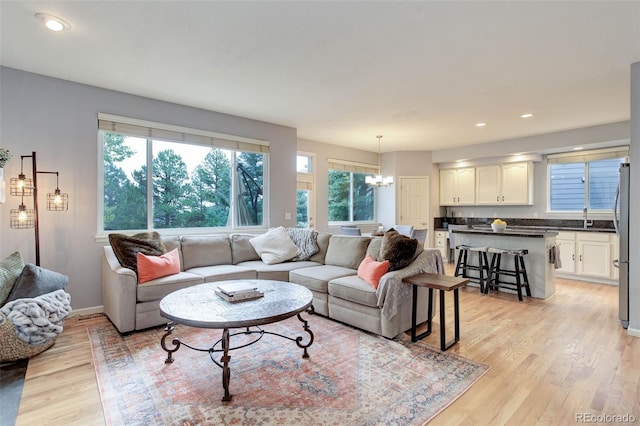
[
  {"x": 127, "y": 247},
  {"x": 155, "y": 290},
  {"x": 152, "y": 267},
  {"x": 353, "y": 289},
  {"x": 224, "y": 272},
  {"x": 398, "y": 249},
  {"x": 241, "y": 248},
  {"x": 35, "y": 281},
  {"x": 10, "y": 269},
  {"x": 322, "y": 239},
  {"x": 274, "y": 246},
  {"x": 205, "y": 250},
  {"x": 371, "y": 270},
  {"x": 374, "y": 248},
  {"x": 278, "y": 271},
  {"x": 317, "y": 278},
  {"x": 346, "y": 251}
]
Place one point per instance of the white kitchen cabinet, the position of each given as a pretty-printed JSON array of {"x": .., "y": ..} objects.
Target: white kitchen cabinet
[
  {"x": 442, "y": 243},
  {"x": 504, "y": 184},
  {"x": 566, "y": 241},
  {"x": 587, "y": 255},
  {"x": 594, "y": 254},
  {"x": 458, "y": 187}
]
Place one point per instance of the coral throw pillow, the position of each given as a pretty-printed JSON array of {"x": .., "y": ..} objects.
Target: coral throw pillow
[
  {"x": 152, "y": 267},
  {"x": 371, "y": 271}
]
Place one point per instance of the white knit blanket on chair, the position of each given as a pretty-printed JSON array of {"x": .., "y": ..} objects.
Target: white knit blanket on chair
[{"x": 39, "y": 319}]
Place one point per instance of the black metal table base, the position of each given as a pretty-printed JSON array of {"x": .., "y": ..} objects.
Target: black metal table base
[
  {"x": 444, "y": 345},
  {"x": 223, "y": 345}
]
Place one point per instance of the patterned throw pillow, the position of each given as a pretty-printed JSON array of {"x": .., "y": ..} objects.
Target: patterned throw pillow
[
  {"x": 10, "y": 270},
  {"x": 398, "y": 249},
  {"x": 306, "y": 240},
  {"x": 127, "y": 247}
]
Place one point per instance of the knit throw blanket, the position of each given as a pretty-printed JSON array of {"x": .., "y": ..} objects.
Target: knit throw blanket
[
  {"x": 305, "y": 240},
  {"x": 392, "y": 291},
  {"x": 39, "y": 319}
]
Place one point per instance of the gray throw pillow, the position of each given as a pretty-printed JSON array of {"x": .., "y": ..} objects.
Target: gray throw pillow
[
  {"x": 10, "y": 270},
  {"x": 36, "y": 281},
  {"x": 127, "y": 247},
  {"x": 398, "y": 249}
]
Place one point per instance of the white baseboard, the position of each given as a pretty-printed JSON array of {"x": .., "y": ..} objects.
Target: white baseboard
[
  {"x": 87, "y": 311},
  {"x": 633, "y": 332}
]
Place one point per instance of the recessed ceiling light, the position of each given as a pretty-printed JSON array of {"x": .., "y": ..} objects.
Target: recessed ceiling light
[
  {"x": 481, "y": 124},
  {"x": 52, "y": 22},
  {"x": 527, "y": 115},
  {"x": 577, "y": 148}
]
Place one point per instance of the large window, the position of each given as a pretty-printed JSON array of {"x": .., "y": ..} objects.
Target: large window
[
  {"x": 584, "y": 180},
  {"x": 168, "y": 180},
  {"x": 305, "y": 196},
  {"x": 350, "y": 198}
]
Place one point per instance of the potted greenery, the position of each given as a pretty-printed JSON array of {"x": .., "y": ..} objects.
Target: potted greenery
[{"x": 5, "y": 155}]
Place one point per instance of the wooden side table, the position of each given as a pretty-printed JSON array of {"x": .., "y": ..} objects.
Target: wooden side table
[{"x": 442, "y": 283}]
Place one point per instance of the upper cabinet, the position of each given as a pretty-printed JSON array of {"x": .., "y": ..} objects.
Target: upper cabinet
[
  {"x": 457, "y": 187},
  {"x": 504, "y": 184}
]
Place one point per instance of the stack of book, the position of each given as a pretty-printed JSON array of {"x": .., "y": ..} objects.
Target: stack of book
[{"x": 237, "y": 292}]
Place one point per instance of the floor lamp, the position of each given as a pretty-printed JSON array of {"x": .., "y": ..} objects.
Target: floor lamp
[{"x": 22, "y": 186}]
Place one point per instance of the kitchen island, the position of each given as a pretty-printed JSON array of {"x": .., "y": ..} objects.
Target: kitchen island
[{"x": 541, "y": 273}]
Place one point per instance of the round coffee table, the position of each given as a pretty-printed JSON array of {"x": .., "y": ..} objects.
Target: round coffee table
[{"x": 199, "y": 306}]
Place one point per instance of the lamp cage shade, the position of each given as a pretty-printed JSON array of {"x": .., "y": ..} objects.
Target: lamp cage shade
[
  {"x": 57, "y": 201},
  {"x": 22, "y": 218},
  {"x": 21, "y": 186}
]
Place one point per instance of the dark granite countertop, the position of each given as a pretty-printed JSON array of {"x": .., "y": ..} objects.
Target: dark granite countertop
[
  {"x": 515, "y": 232},
  {"x": 553, "y": 225}
]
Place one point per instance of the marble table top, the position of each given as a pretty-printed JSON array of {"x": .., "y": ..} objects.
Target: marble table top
[{"x": 200, "y": 306}]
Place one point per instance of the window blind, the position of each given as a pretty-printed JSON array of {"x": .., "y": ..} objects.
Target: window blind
[
  {"x": 168, "y": 132},
  {"x": 588, "y": 156},
  {"x": 305, "y": 181},
  {"x": 351, "y": 166}
]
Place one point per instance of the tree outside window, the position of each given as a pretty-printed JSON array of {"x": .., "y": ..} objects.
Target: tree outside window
[
  {"x": 350, "y": 198},
  {"x": 191, "y": 185}
]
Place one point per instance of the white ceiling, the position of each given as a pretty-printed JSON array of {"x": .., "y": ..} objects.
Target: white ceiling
[{"x": 421, "y": 73}]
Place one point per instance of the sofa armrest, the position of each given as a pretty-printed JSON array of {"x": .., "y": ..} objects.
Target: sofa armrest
[{"x": 119, "y": 292}]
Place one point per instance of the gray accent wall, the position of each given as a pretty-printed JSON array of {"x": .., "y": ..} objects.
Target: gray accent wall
[{"x": 58, "y": 120}]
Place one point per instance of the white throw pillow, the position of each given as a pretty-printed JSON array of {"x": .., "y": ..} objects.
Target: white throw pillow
[{"x": 275, "y": 246}]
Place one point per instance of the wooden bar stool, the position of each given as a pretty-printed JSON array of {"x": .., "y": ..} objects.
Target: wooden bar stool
[
  {"x": 519, "y": 272},
  {"x": 463, "y": 265}
]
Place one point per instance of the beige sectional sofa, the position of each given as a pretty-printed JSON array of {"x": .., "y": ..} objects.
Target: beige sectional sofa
[{"x": 331, "y": 275}]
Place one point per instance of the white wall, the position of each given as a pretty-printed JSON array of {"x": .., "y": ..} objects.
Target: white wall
[
  {"x": 634, "y": 208},
  {"x": 591, "y": 137},
  {"x": 58, "y": 120},
  {"x": 588, "y": 137}
]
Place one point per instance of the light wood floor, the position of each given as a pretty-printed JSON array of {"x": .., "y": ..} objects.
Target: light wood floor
[{"x": 552, "y": 360}]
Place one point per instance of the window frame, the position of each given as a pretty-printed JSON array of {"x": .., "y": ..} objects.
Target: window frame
[
  {"x": 213, "y": 140},
  {"x": 305, "y": 181},
  {"x": 352, "y": 167},
  {"x": 585, "y": 157}
]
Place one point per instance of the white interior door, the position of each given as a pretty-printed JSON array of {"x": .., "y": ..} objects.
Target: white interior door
[{"x": 414, "y": 201}]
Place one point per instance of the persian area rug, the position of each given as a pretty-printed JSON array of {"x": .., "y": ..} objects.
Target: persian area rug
[{"x": 350, "y": 378}]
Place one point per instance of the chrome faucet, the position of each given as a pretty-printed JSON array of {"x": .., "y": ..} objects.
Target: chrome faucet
[{"x": 587, "y": 222}]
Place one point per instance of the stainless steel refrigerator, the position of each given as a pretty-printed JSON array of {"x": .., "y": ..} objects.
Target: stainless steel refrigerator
[{"x": 621, "y": 223}]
